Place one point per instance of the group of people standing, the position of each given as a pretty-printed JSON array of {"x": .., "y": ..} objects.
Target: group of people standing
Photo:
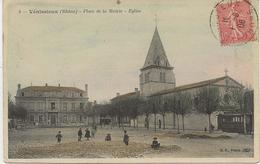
[
  {"x": 91, "y": 134},
  {"x": 88, "y": 133},
  {"x": 125, "y": 138}
]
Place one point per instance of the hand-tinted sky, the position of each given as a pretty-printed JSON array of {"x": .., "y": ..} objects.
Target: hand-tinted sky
[{"x": 106, "y": 51}]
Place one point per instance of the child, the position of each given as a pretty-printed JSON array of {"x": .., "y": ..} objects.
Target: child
[
  {"x": 108, "y": 137},
  {"x": 155, "y": 144},
  {"x": 126, "y": 138},
  {"x": 59, "y": 136}
]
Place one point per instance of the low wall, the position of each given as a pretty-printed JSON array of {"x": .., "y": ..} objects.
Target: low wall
[{"x": 192, "y": 121}]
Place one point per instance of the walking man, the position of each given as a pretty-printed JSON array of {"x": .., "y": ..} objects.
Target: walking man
[
  {"x": 126, "y": 137},
  {"x": 79, "y": 134},
  {"x": 59, "y": 136}
]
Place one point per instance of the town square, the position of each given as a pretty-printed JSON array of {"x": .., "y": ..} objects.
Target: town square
[{"x": 131, "y": 82}]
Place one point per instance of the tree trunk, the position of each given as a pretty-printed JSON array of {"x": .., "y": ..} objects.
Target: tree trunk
[
  {"x": 134, "y": 123},
  {"x": 178, "y": 126},
  {"x": 155, "y": 122},
  {"x": 173, "y": 120},
  {"x": 129, "y": 121},
  {"x": 209, "y": 123},
  {"x": 163, "y": 121},
  {"x": 182, "y": 122},
  {"x": 122, "y": 123},
  {"x": 111, "y": 123},
  {"x": 147, "y": 123},
  {"x": 137, "y": 122},
  {"x": 119, "y": 122}
]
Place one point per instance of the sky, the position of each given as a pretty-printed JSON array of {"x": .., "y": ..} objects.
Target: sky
[{"x": 107, "y": 50}]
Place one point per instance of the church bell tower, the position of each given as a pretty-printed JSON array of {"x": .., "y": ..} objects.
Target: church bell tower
[{"x": 157, "y": 73}]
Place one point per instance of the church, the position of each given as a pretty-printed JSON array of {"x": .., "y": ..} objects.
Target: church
[{"x": 158, "y": 86}]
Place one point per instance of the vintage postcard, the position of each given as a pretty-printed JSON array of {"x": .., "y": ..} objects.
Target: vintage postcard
[{"x": 114, "y": 81}]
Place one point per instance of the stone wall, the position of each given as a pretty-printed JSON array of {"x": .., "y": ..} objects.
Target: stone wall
[{"x": 192, "y": 121}]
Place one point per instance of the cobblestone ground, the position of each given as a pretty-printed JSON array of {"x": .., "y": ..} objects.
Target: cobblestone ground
[{"x": 41, "y": 143}]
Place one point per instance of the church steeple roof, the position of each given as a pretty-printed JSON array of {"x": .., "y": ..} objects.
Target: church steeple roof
[{"x": 156, "y": 55}]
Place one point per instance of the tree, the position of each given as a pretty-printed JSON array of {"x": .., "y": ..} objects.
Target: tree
[
  {"x": 15, "y": 111},
  {"x": 118, "y": 112},
  {"x": 237, "y": 98},
  {"x": 11, "y": 107},
  {"x": 208, "y": 100},
  {"x": 163, "y": 112},
  {"x": 145, "y": 108},
  {"x": 185, "y": 105},
  {"x": 163, "y": 106},
  {"x": 156, "y": 107},
  {"x": 133, "y": 108},
  {"x": 111, "y": 112},
  {"x": 20, "y": 112},
  {"x": 172, "y": 106}
]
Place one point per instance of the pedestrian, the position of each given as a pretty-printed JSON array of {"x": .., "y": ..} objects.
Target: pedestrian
[
  {"x": 126, "y": 137},
  {"x": 79, "y": 134},
  {"x": 59, "y": 136},
  {"x": 87, "y": 134},
  {"x": 108, "y": 137},
  {"x": 155, "y": 143}
]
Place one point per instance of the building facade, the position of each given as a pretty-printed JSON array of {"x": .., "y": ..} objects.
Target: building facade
[
  {"x": 226, "y": 90},
  {"x": 53, "y": 105},
  {"x": 157, "y": 83}
]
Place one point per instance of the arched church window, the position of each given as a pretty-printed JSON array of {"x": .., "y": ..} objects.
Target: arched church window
[
  {"x": 162, "y": 62},
  {"x": 157, "y": 60}
]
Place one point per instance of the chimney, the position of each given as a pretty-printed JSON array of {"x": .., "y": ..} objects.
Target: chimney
[
  {"x": 136, "y": 89},
  {"x": 117, "y": 94},
  {"x": 46, "y": 84},
  {"x": 19, "y": 86}
]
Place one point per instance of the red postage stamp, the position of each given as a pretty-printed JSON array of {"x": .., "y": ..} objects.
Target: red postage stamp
[{"x": 235, "y": 22}]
